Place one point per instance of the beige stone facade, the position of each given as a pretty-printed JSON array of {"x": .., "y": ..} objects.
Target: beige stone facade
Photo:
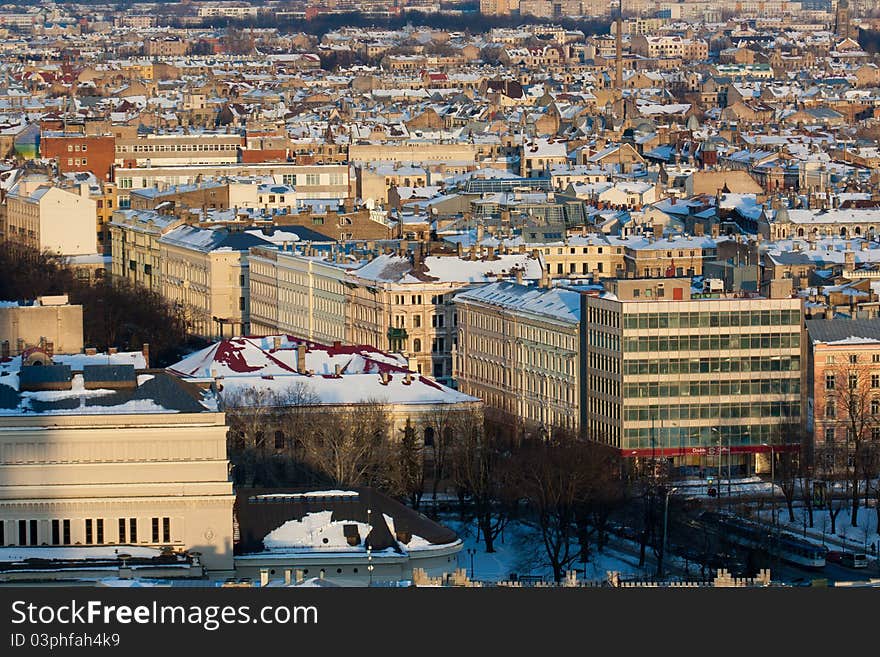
[
  {"x": 51, "y": 320},
  {"x": 118, "y": 480},
  {"x": 296, "y": 294},
  {"x": 519, "y": 351},
  {"x": 51, "y": 219}
]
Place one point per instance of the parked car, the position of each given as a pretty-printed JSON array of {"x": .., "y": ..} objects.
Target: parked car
[{"x": 834, "y": 556}]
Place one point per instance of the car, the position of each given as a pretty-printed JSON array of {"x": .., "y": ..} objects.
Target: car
[
  {"x": 854, "y": 560},
  {"x": 834, "y": 556}
]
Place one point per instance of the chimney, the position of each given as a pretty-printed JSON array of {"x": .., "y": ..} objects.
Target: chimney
[
  {"x": 460, "y": 249},
  {"x": 276, "y": 342},
  {"x": 522, "y": 247},
  {"x": 301, "y": 358},
  {"x": 91, "y": 351},
  {"x": 298, "y": 573},
  {"x": 112, "y": 350},
  {"x": 519, "y": 276},
  {"x": 145, "y": 350},
  {"x": 479, "y": 232},
  {"x": 264, "y": 576},
  {"x": 407, "y": 379},
  {"x": 337, "y": 369},
  {"x": 287, "y": 576},
  {"x": 385, "y": 378}
]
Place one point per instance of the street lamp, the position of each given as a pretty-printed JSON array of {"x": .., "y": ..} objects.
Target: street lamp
[
  {"x": 471, "y": 552},
  {"x": 717, "y": 430},
  {"x": 772, "y": 481},
  {"x": 665, "y": 520}
]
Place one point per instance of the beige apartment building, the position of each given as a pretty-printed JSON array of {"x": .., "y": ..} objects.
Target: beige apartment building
[
  {"x": 312, "y": 181},
  {"x": 51, "y": 219},
  {"x": 134, "y": 246},
  {"x": 144, "y": 467},
  {"x": 404, "y": 303},
  {"x": 49, "y": 322},
  {"x": 206, "y": 272},
  {"x": 415, "y": 153},
  {"x": 706, "y": 382},
  {"x": 657, "y": 46},
  {"x": 519, "y": 351},
  {"x": 297, "y": 294},
  {"x": 177, "y": 149},
  {"x": 582, "y": 255}
]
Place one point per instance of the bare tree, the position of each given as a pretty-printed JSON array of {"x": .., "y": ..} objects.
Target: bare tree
[
  {"x": 351, "y": 446},
  {"x": 857, "y": 407},
  {"x": 477, "y": 464},
  {"x": 786, "y": 467},
  {"x": 830, "y": 459}
]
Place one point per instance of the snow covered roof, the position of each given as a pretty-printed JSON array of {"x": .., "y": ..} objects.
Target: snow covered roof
[
  {"x": 447, "y": 269},
  {"x": 844, "y": 331},
  {"x": 276, "y": 522},
  {"x": 563, "y": 305},
  {"x": 333, "y": 375},
  {"x": 61, "y": 388}
]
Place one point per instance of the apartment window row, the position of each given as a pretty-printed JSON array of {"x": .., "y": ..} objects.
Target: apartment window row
[
  {"x": 712, "y": 365},
  {"x": 713, "y": 411},
  {"x": 774, "y": 318},
  {"x": 712, "y": 342},
  {"x": 713, "y": 388}
]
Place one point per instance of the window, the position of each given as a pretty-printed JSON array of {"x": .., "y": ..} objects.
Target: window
[
  {"x": 241, "y": 303},
  {"x": 875, "y": 358},
  {"x": 875, "y": 380},
  {"x": 829, "y": 435},
  {"x": 417, "y": 321},
  {"x": 853, "y": 381},
  {"x": 133, "y": 530},
  {"x": 279, "y": 439},
  {"x": 853, "y": 358},
  {"x": 155, "y": 530},
  {"x": 830, "y": 410},
  {"x": 417, "y": 345},
  {"x": 33, "y": 535},
  {"x": 829, "y": 382},
  {"x": 122, "y": 530},
  {"x": 99, "y": 524},
  {"x": 56, "y": 532},
  {"x": 875, "y": 406},
  {"x": 22, "y": 532},
  {"x": 166, "y": 530},
  {"x": 89, "y": 534},
  {"x": 65, "y": 532}
]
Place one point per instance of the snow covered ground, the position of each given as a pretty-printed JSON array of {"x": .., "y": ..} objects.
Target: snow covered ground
[
  {"x": 521, "y": 551},
  {"x": 847, "y": 537}
]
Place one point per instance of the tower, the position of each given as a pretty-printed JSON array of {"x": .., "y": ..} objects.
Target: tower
[{"x": 842, "y": 25}]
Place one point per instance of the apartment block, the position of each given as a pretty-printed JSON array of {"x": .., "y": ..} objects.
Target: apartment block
[
  {"x": 298, "y": 294},
  {"x": 674, "y": 375},
  {"x": 518, "y": 350}
]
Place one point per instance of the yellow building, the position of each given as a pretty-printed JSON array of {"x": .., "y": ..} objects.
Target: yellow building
[
  {"x": 134, "y": 245},
  {"x": 206, "y": 273}
]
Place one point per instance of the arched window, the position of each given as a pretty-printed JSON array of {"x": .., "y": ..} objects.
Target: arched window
[
  {"x": 417, "y": 345},
  {"x": 429, "y": 436},
  {"x": 279, "y": 439}
]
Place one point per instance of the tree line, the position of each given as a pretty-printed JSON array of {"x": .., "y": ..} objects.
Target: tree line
[
  {"x": 563, "y": 486},
  {"x": 116, "y": 313}
]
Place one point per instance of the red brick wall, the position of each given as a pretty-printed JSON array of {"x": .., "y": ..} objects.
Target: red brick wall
[{"x": 99, "y": 154}]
